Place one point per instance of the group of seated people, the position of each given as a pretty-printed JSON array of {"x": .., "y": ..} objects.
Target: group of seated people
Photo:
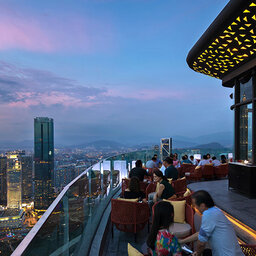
[
  {"x": 207, "y": 159},
  {"x": 215, "y": 228},
  {"x": 165, "y": 189}
]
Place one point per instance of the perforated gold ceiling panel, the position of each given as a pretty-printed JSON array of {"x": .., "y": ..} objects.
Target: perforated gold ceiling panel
[{"x": 233, "y": 46}]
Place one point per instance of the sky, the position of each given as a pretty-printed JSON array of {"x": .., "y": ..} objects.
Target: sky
[{"x": 107, "y": 69}]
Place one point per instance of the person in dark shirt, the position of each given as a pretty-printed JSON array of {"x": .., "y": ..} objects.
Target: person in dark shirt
[
  {"x": 133, "y": 191},
  {"x": 138, "y": 171},
  {"x": 170, "y": 172}
]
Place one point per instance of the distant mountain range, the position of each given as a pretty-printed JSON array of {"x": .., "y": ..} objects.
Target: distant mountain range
[{"x": 215, "y": 140}]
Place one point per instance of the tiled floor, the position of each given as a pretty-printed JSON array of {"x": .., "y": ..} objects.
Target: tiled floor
[
  {"x": 237, "y": 205},
  {"x": 118, "y": 245}
]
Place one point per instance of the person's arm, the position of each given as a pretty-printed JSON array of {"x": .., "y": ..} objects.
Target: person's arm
[
  {"x": 159, "y": 192},
  {"x": 189, "y": 239}
]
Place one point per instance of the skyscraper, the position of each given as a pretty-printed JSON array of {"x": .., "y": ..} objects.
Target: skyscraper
[
  {"x": 26, "y": 173},
  {"x": 14, "y": 186},
  {"x": 3, "y": 180},
  {"x": 44, "y": 162}
]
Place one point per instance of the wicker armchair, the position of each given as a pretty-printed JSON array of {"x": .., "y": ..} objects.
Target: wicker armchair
[
  {"x": 125, "y": 185},
  {"x": 129, "y": 216},
  {"x": 248, "y": 250},
  {"x": 150, "y": 188},
  {"x": 208, "y": 171},
  {"x": 221, "y": 171},
  {"x": 180, "y": 186},
  {"x": 196, "y": 175}
]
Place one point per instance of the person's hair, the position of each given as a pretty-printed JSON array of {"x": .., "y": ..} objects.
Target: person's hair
[
  {"x": 192, "y": 157},
  {"x": 203, "y": 197},
  {"x": 138, "y": 163},
  {"x": 154, "y": 158},
  {"x": 214, "y": 157},
  {"x": 183, "y": 158},
  {"x": 134, "y": 184},
  {"x": 155, "y": 155},
  {"x": 168, "y": 160},
  {"x": 208, "y": 155},
  {"x": 171, "y": 156},
  {"x": 163, "y": 218},
  {"x": 186, "y": 156},
  {"x": 223, "y": 157},
  {"x": 205, "y": 157},
  {"x": 159, "y": 174}
]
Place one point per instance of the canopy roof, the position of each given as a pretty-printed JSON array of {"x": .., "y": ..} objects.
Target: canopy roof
[{"x": 228, "y": 43}]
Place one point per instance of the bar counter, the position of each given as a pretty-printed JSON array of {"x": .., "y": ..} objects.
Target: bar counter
[{"x": 242, "y": 177}]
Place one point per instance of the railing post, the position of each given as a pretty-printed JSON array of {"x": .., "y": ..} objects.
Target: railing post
[
  {"x": 66, "y": 225},
  {"x": 101, "y": 179}
]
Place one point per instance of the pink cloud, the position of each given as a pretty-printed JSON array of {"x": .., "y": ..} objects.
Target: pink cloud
[
  {"x": 46, "y": 33},
  {"x": 146, "y": 94},
  {"x": 29, "y": 99}
]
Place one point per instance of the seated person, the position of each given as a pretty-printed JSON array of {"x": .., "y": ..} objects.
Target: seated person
[
  {"x": 223, "y": 159},
  {"x": 215, "y": 228},
  {"x": 204, "y": 161},
  {"x": 133, "y": 191},
  {"x": 165, "y": 189},
  {"x": 185, "y": 160},
  {"x": 160, "y": 240},
  {"x": 175, "y": 159},
  {"x": 170, "y": 172},
  {"x": 209, "y": 157},
  {"x": 151, "y": 163},
  {"x": 193, "y": 160},
  {"x": 158, "y": 161},
  {"x": 138, "y": 171},
  {"x": 215, "y": 161}
]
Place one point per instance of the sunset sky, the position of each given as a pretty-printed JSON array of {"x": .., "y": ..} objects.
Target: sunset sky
[{"x": 113, "y": 69}]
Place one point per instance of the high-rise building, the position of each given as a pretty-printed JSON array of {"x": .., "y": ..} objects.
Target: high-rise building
[
  {"x": 44, "y": 162},
  {"x": 26, "y": 174},
  {"x": 3, "y": 180},
  {"x": 14, "y": 177}
]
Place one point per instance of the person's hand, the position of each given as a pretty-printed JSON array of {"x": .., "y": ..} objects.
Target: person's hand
[{"x": 144, "y": 200}]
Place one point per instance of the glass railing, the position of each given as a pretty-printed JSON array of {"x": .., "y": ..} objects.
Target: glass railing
[{"x": 70, "y": 223}]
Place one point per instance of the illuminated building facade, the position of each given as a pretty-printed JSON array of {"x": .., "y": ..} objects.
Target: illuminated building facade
[
  {"x": 43, "y": 162},
  {"x": 14, "y": 176},
  {"x": 227, "y": 50},
  {"x": 27, "y": 182},
  {"x": 3, "y": 180},
  {"x": 165, "y": 147}
]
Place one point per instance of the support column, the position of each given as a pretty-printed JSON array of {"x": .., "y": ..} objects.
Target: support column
[
  {"x": 253, "y": 118},
  {"x": 237, "y": 121}
]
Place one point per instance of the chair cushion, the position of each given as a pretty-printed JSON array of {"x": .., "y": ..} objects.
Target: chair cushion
[
  {"x": 129, "y": 200},
  {"x": 179, "y": 210},
  {"x": 187, "y": 193},
  {"x": 132, "y": 251},
  {"x": 180, "y": 229}
]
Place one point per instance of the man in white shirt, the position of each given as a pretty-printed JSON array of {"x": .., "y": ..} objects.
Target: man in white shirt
[
  {"x": 204, "y": 161},
  {"x": 193, "y": 160},
  {"x": 151, "y": 163},
  {"x": 215, "y": 161}
]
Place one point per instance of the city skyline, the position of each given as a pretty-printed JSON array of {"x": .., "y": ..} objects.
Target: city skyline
[{"x": 107, "y": 69}]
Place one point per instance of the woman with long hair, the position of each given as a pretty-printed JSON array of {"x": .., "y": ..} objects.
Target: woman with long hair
[
  {"x": 165, "y": 189},
  {"x": 160, "y": 240},
  {"x": 133, "y": 191}
]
